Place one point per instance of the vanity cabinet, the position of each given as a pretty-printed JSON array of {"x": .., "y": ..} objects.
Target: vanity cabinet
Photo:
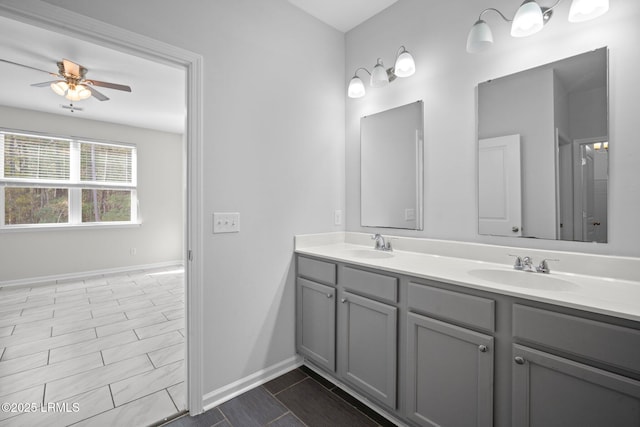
[
  {"x": 437, "y": 354},
  {"x": 368, "y": 347},
  {"x": 368, "y": 333},
  {"x": 317, "y": 323},
  {"x": 349, "y": 326},
  {"x": 449, "y": 368},
  {"x": 553, "y": 390},
  {"x": 449, "y": 374},
  {"x": 316, "y": 311}
]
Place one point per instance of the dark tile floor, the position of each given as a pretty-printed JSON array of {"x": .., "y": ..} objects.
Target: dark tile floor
[{"x": 296, "y": 399}]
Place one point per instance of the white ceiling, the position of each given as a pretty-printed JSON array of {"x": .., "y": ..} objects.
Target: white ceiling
[
  {"x": 343, "y": 14},
  {"x": 157, "y": 99}
]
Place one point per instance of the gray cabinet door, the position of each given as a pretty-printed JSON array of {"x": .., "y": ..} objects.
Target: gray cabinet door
[
  {"x": 368, "y": 346},
  {"x": 449, "y": 374},
  {"x": 316, "y": 329},
  {"x": 552, "y": 391}
]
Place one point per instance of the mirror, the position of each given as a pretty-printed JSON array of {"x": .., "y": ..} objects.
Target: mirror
[
  {"x": 543, "y": 151},
  {"x": 391, "y": 168}
]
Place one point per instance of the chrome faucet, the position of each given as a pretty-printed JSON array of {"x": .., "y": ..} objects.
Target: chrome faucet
[
  {"x": 544, "y": 267},
  {"x": 526, "y": 264},
  {"x": 380, "y": 243}
]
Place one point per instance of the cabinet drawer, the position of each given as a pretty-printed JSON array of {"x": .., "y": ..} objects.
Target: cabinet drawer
[
  {"x": 602, "y": 342},
  {"x": 317, "y": 270},
  {"x": 469, "y": 310},
  {"x": 371, "y": 284}
]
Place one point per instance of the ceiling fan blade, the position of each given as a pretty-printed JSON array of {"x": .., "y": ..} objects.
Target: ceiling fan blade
[
  {"x": 45, "y": 84},
  {"x": 71, "y": 68},
  {"x": 98, "y": 95},
  {"x": 109, "y": 85},
  {"x": 27, "y": 66}
]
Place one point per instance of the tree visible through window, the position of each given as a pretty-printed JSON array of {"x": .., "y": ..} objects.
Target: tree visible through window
[{"x": 52, "y": 180}]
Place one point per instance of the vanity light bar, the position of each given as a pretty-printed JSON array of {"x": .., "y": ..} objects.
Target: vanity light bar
[
  {"x": 531, "y": 18},
  {"x": 404, "y": 66}
]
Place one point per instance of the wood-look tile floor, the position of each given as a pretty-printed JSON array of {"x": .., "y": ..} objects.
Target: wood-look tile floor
[
  {"x": 107, "y": 350},
  {"x": 298, "y": 398}
]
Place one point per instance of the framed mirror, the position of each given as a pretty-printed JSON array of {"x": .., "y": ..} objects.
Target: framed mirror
[
  {"x": 543, "y": 151},
  {"x": 391, "y": 167}
]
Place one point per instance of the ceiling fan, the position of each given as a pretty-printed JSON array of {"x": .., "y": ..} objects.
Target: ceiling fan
[{"x": 72, "y": 83}]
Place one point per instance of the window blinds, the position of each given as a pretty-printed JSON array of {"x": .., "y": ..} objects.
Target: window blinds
[
  {"x": 36, "y": 158},
  {"x": 47, "y": 161},
  {"x": 105, "y": 163}
]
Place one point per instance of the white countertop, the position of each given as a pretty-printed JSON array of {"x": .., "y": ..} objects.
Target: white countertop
[{"x": 605, "y": 295}]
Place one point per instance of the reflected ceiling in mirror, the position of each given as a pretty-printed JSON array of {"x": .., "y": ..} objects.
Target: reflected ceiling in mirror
[
  {"x": 391, "y": 166},
  {"x": 543, "y": 151}
]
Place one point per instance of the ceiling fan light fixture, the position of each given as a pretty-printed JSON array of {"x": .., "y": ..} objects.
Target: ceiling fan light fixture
[
  {"x": 60, "y": 88},
  {"x": 83, "y": 91},
  {"x": 77, "y": 93}
]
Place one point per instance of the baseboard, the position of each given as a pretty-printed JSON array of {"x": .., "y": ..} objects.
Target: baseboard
[
  {"x": 228, "y": 392},
  {"x": 58, "y": 278}
]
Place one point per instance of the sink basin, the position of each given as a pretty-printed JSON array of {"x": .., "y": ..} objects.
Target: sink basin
[
  {"x": 524, "y": 279},
  {"x": 369, "y": 253}
]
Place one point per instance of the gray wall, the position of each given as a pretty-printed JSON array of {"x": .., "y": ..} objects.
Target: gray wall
[
  {"x": 41, "y": 253},
  {"x": 273, "y": 151},
  {"x": 447, "y": 78}
]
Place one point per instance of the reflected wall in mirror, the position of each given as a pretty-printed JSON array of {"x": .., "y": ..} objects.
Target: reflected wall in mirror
[
  {"x": 543, "y": 151},
  {"x": 391, "y": 165}
]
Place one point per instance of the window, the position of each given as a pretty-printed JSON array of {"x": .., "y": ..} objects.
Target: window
[{"x": 47, "y": 181}]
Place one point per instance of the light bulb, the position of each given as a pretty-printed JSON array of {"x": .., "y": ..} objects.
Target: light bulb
[
  {"x": 528, "y": 19},
  {"x": 72, "y": 94},
  {"x": 379, "y": 77},
  {"x": 405, "y": 65},
  {"x": 480, "y": 37},
  {"x": 83, "y": 92},
  {"x": 584, "y": 10},
  {"x": 356, "y": 88},
  {"x": 60, "y": 88}
]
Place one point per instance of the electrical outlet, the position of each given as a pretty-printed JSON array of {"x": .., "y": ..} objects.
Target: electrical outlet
[
  {"x": 337, "y": 217},
  {"x": 226, "y": 222},
  {"x": 133, "y": 251}
]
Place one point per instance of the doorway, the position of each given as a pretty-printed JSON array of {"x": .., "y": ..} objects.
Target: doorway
[{"x": 53, "y": 18}]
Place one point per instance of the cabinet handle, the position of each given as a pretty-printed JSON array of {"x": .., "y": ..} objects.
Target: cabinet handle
[
  {"x": 329, "y": 295},
  {"x": 483, "y": 348},
  {"x": 343, "y": 300},
  {"x": 519, "y": 360}
]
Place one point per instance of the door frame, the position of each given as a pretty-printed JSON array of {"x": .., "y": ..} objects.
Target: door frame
[
  {"x": 577, "y": 195},
  {"x": 55, "y": 18}
]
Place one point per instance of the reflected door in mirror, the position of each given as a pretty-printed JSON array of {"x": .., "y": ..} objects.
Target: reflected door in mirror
[{"x": 500, "y": 201}]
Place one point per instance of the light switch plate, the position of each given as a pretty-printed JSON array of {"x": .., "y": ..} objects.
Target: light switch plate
[
  {"x": 337, "y": 217},
  {"x": 226, "y": 222}
]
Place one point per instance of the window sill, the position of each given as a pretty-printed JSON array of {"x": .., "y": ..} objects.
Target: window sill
[{"x": 65, "y": 227}]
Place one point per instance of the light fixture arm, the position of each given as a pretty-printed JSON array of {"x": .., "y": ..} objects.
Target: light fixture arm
[
  {"x": 553, "y": 7},
  {"x": 495, "y": 10},
  {"x": 355, "y": 74}
]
